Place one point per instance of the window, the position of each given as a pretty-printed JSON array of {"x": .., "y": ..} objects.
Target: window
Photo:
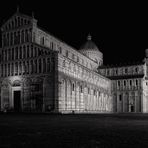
[
  {"x": 26, "y": 36},
  {"x": 2, "y": 70},
  {"x": 119, "y": 83},
  {"x": 94, "y": 92},
  {"x": 107, "y": 72},
  {"x": 81, "y": 89},
  {"x": 12, "y": 69},
  {"x": 136, "y": 82},
  {"x": 66, "y": 53},
  {"x": 77, "y": 59},
  {"x": 44, "y": 65},
  {"x": 73, "y": 87},
  {"x": 16, "y": 53},
  {"x": 116, "y": 71},
  {"x": 120, "y": 97},
  {"x": 8, "y": 69},
  {"x": 5, "y": 69},
  {"x": 31, "y": 64},
  {"x": 73, "y": 56},
  {"x": 130, "y": 82},
  {"x": 51, "y": 45},
  {"x": 124, "y": 83},
  {"x": 28, "y": 51},
  {"x": 12, "y": 54},
  {"x": 16, "y": 68},
  {"x": 24, "y": 51},
  {"x": 126, "y": 70},
  {"x": 35, "y": 66},
  {"x": 40, "y": 66},
  {"x": 48, "y": 65},
  {"x": 99, "y": 93},
  {"x": 42, "y": 41},
  {"x": 20, "y": 53},
  {"x": 63, "y": 63},
  {"x": 20, "y": 68},
  {"x": 136, "y": 69},
  {"x": 88, "y": 90},
  {"x": 60, "y": 50}
]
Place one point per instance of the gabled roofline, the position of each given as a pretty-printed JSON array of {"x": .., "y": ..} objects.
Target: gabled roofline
[{"x": 17, "y": 14}]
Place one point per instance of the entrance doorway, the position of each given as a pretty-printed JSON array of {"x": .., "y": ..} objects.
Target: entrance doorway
[
  {"x": 17, "y": 101},
  {"x": 132, "y": 108}
]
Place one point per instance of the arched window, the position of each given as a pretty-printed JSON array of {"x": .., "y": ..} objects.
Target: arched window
[
  {"x": 44, "y": 65},
  {"x": 88, "y": 90},
  {"x": 9, "y": 69},
  {"x": 16, "y": 68},
  {"x": 9, "y": 54},
  {"x": 16, "y": 53},
  {"x": 22, "y": 23},
  {"x": 31, "y": 50},
  {"x": 28, "y": 54},
  {"x": 8, "y": 37},
  {"x": 20, "y": 68},
  {"x": 24, "y": 51},
  {"x": 35, "y": 66},
  {"x": 12, "y": 24},
  {"x": 15, "y": 22},
  {"x": 118, "y": 83},
  {"x": 5, "y": 55},
  {"x": 26, "y": 36},
  {"x": 23, "y": 67},
  {"x": 20, "y": 53},
  {"x": 5, "y": 70},
  {"x": 66, "y": 53},
  {"x": 81, "y": 89},
  {"x": 48, "y": 65},
  {"x": 18, "y": 37},
  {"x": 31, "y": 64},
  {"x": 15, "y": 38},
  {"x": 124, "y": 83},
  {"x": 12, "y": 69},
  {"x": 136, "y": 69},
  {"x": 35, "y": 52},
  {"x": 11, "y": 38},
  {"x": 130, "y": 82},
  {"x": 27, "y": 67},
  {"x": 19, "y": 22},
  {"x": 40, "y": 66},
  {"x": 94, "y": 92},
  {"x": 25, "y": 22},
  {"x": 2, "y": 69},
  {"x": 136, "y": 82},
  {"x": 12, "y": 54},
  {"x": 73, "y": 87},
  {"x": 22, "y": 36}
]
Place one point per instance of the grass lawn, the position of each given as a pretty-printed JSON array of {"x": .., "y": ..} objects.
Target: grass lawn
[{"x": 73, "y": 131}]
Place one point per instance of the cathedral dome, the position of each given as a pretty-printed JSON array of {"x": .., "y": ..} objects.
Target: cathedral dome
[
  {"x": 90, "y": 50},
  {"x": 88, "y": 46}
]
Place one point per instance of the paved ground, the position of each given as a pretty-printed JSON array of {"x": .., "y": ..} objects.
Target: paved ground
[{"x": 73, "y": 131}]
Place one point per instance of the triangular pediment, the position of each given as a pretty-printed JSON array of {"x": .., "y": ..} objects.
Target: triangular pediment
[{"x": 16, "y": 20}]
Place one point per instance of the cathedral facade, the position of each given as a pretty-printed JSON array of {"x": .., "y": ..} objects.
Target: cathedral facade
[{"x": 40, "y": 73}]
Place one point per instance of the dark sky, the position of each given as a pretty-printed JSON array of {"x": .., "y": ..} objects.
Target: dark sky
[{"x": 120, "y": 30}]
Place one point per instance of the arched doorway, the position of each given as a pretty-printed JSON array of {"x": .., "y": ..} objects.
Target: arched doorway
[
  {"x": 16, "y": 96},
  {"x": 132, "y": 102}
]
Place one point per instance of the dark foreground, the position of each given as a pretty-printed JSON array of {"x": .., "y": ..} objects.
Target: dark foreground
[{"x": 73, "y": 131}]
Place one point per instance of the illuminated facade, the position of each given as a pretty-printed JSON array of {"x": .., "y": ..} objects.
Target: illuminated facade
[{"x": 40, "y": 73}]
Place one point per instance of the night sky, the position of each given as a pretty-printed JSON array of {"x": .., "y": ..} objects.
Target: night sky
[{"x": 120, "y": 30}]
